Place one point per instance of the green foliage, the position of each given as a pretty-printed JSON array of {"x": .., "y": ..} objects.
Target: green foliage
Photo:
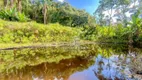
[
  {"x": 88, "y": 33},
  {"x": 33, "y": 57},
  {"x": 56, "y": 12},
  {"x": 116, "y": 33},
  {"x": 136, "y": 26},
  {"x": 67, "y": 15},
  {"x": 12, "y": 15},
  {"x": 62, "y": 13},
  {"x": 18, "y": 59},
  {"x": 22, "y": 17},
  {"x": 14, "y": 32},
  {"x": 136, "y": 21}
]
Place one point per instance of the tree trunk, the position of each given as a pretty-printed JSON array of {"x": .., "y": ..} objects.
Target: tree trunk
[
  {"x": 45, "y": 13},
  {"x": 110, "y": 18},
  {"x": 19, "y": 5},
  {"x": 5, "y": 3},
  {"x": 11, "y": 3}
]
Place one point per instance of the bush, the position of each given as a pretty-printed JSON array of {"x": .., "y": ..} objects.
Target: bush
[
  {"x": 31, "y": 32},
  {"x": 13, "y": 15},
  {"x": 116, "y": 33}
]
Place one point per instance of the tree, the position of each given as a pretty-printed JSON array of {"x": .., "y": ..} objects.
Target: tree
[
  {"x": 112, "y": 6},
  {"x": 1, "y": 3},
  {"x": 5, "y": 3},
  {"x": 11, "y": 3},
  {"x": 123, "y": 7},
  {"x": 108, "y": 6},
  {"x": 46, "y": 3},
  {"x": 45, "y": 13},
  {"x": 99, "y": 14},
  {"x": 19, "y": 5}
]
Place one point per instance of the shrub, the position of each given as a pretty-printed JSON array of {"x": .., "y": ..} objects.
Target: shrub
[
  {"x": 13, "y": 15},
  {"x": 31, "y": 32}
]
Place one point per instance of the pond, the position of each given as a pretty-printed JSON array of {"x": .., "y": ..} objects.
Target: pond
[{"x": 72, "y": 62}]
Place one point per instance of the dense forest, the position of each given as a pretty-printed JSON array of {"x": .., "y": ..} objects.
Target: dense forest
[{"x": 114, "y": 21}]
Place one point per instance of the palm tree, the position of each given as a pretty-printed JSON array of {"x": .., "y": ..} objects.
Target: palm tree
[
  {"x": 45, "y": 12},
  {"x": 45, "y": 9},
  {"x": 12, "y": 3},
  {"x": 19, "y": 5},
  {"x": 5, "y": 3}
]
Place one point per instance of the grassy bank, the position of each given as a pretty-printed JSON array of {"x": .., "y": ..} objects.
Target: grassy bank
[{"x": 32, "y": 32}]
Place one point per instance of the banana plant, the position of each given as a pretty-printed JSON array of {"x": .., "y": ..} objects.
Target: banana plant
[
  {"x": 136, "y": 21},
  {"x": 136, "y": 24}
]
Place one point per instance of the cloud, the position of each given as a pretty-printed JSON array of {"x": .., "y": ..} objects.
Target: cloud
[{"x": 61, "y": 0}]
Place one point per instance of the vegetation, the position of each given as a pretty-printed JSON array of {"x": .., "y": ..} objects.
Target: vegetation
[
  {"x": 124, "y": 30},
  {"x": 45, "y": 11},
  {"x": 116, "y": 33},
  {"x": 100, "y": 28},
  {"x": 39, "y": 61},
  {"x": 32, "y": 32},
  {"x": 20, "y": 58},
  {"x": 13, "y": 15},
  {"x": 28, "y": 27}
]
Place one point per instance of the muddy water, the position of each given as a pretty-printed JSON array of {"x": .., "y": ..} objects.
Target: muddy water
[{"x": 78, "y": 62}]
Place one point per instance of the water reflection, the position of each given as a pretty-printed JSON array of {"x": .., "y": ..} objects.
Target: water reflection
[
  {"x": 83, "y": 62},
  {"x": 51, "y": 71},
  {"x": 103, "y": 69}
]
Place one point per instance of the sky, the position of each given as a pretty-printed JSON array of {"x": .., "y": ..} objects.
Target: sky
[{"x": 89, "y": 5}]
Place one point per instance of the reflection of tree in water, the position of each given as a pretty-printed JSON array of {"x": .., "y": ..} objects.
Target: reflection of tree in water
[
  {"x": 63, "y": 69},
  {"x": 18, "y": 59},
  {"x": 61, "y": 62},
  {"x": 120, "y": 66},
  {"x": 108, "y": 69},
  {"x": 136, "y": 65}
]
